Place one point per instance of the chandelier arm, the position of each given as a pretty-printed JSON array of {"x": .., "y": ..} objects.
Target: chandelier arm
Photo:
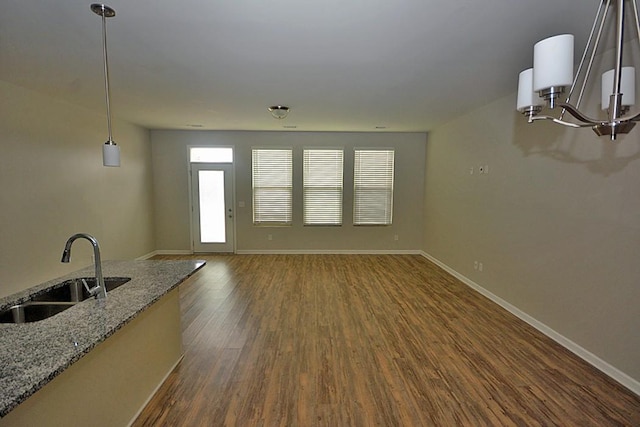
[
  {"x": 637, "y": 20},
  {"x": 616, "y": 98},
  {"x": 635, "y": 118},
  {"x": 591, "y": 46},
  {"x": 593, "y": 52},
  {"x": 558, "y": 121},
  {"x": 577, "y": 114}
]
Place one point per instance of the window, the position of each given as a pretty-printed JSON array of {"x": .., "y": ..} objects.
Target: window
[
  {"x": 373, "y": 187},
  {"x": 322, "y": 187},
  {"x": 272, "y": 186},
  {"x": 210, "y": 155}
]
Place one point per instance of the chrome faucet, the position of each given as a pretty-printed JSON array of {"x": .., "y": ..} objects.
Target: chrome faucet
[{"x": 99, "y": 291}]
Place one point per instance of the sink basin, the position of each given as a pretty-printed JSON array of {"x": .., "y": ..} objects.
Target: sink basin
[
  {"x": 33, "y": 311},
  {"x": 56, "y": 299},
  {"x": 72, "y": 290}
]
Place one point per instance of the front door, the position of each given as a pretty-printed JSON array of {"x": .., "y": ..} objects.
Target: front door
[{"x": 212, "y": 207}]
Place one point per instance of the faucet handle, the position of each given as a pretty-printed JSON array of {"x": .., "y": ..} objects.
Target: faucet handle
[{"x": 92, "y": 291}]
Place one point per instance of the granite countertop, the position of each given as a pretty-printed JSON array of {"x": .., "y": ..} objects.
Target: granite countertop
[{"x": 32, "y": 354}]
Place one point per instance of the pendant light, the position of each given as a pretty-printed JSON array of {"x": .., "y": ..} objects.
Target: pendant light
[{"x": 110, "y": 150}]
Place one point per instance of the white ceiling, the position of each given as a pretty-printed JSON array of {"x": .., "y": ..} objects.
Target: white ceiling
[{"x": 341, "y": 65}]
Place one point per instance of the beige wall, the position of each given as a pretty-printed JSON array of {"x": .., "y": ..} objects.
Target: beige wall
[
  {"x": 171, "y": 184},
  {"x": 54, "y": 185},
  {"x": 555, "y": 222}
]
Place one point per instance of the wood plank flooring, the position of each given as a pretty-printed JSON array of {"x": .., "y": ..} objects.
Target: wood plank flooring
[{"x": 367, "y": 340}]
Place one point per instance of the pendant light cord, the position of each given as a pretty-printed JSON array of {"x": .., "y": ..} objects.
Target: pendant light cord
[{"x": 106, "y": 75}]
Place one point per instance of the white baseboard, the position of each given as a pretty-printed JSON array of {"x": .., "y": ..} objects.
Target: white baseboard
[
  {"x": 174, "y": 252},
  {"x": 147, "y": 256},
  {"x": 164, "y": 252},
  {"x": 327, "y": 252},
  {"x": 624, "y": 379},
  {"x": 293, "y": 252}
]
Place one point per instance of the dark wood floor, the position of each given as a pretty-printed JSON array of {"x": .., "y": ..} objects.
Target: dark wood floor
[{"x": 358, "y": 340}]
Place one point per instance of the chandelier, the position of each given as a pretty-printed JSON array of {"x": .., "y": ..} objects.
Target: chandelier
[{"x": 552, "y": 72}]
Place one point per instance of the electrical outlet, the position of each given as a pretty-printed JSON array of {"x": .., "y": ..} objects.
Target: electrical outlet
[
  {"x": 475, "y": 265},
  {"x": 395, "y": 237},
  {"x": 471, "y": 170},
  {"x": 269, "y": 237},
  {"x": 480, "y": 266}
]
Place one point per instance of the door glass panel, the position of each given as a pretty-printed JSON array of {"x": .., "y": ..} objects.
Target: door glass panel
[{"x": 212, "y": 214}]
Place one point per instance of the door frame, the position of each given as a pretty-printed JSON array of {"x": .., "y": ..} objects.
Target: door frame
[{"x": 229, "y": 169}]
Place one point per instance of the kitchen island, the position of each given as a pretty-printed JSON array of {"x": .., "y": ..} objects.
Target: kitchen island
[{"x": 98, "y": 362}]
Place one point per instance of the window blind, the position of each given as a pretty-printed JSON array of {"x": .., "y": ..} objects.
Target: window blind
[
  {"x": 322, "y": 186},
  {"x": 373, "y": 187},
  {"x": 272, "y": 186}
]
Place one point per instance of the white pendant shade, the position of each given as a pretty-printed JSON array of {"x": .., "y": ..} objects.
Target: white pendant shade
[
  {"x": 553, "y": 62},
  {"x": 110, "y": 154},
  {"x": 526, "y": 96},
  {"x": 627, "y": 87}
]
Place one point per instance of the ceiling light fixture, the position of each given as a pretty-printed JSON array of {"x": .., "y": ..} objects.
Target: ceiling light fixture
[
  {"x": 110, "y": 150},
  {"x": 552, "y": 72},
  {"x": 279, "y": 111}
]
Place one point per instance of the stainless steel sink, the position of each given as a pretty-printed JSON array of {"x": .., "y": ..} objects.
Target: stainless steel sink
[
  {"x": 73, "y": 290},
  {"x": 56, "y": 299},
  {"x": 33, "y": 311}
]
